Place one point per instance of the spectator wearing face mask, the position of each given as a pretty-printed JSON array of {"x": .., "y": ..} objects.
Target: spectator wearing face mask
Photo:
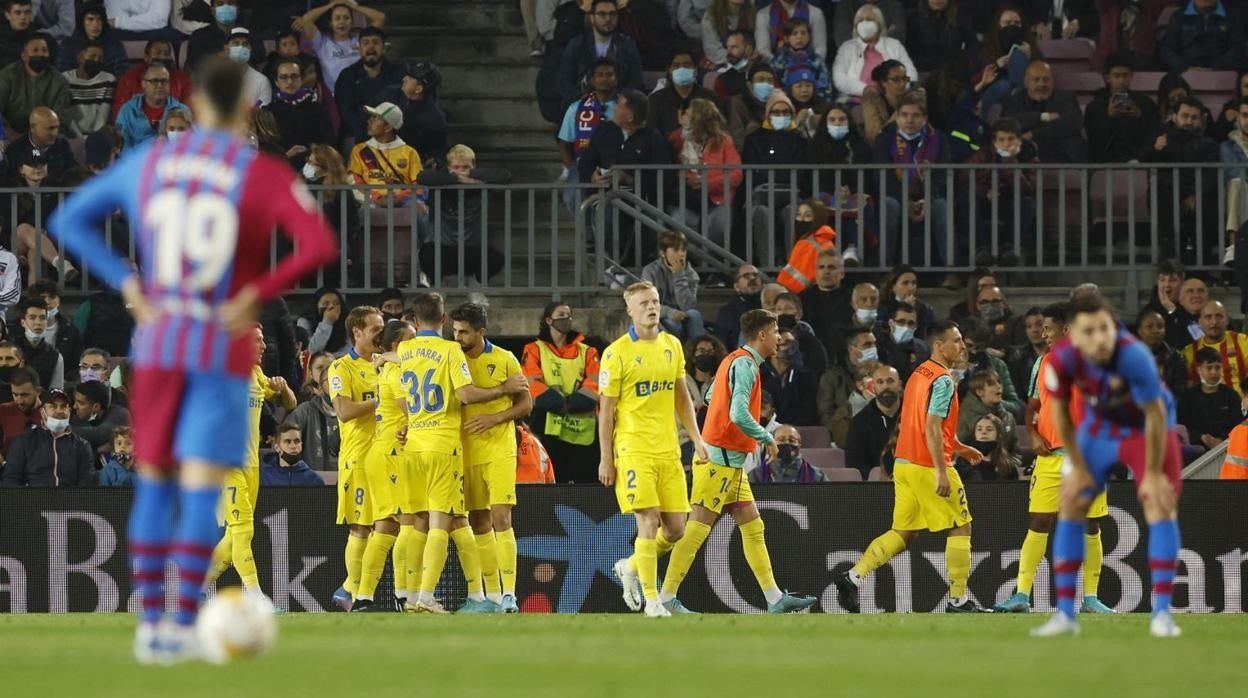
[
  {"x": 870, "y": 429},
  {"x": 788, "y": 466},
  {"x": 91, "y": 88},
  {"x": 1006, "y": 194},
  {"x": 119, "y": 464},
  {"x": 746, "y": 113},
  {"x": 32, "y": 82},
  {"x": 733, "y": 78},
  {"x": 1000, "y": 462},
  {"x": 210, "y": 39},
  {"x": 788, "y": 380},
  {"x": 775, "y": 148},
  {"x": 239, "y": 49},
  {"x": 702, "y": 356},
  {"x": 1211, "y": 409},
  {"x": 95, "y": 418},
  {"x": 897, "y": 343},
  {"x": 50, "y": 455},
  {"x": 285, "y": 466},
  {"x": 839, "y": 382},
  {"x": 40, "y": 355},
  {"x": 789, "y": 314},
  {"x": 94, "y": 365},
  {"x": 864, "y": 305},
  {"x": 60, "y": 331},
  {"x": 669, "y": 103}
]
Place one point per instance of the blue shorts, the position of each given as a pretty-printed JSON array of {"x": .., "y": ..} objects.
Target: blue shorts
[
  {"x": 1102, "y": 452},
  {"x": 181, "y": 416}
]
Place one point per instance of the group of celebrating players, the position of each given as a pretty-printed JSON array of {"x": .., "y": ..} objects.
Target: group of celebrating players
[{"x": 428, "y": 437}]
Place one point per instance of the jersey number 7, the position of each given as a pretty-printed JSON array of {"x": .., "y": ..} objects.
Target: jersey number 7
[
  {"x": 423, "y": 395},
  {"x": 199, "y": 231}
]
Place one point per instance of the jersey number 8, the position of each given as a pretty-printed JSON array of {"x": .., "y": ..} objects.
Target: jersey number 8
[
  {"x": 423, "y": 395},
  {"x": 199, "y": 230}
]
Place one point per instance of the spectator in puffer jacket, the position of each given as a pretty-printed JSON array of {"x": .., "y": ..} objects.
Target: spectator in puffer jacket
[
  {"x": 119, "y": 465},
  {"x": 51, "y": 455}
]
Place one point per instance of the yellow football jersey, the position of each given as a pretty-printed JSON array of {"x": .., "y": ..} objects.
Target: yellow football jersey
[
  {"x": 355, "y": 379},
  {"x": 431, "y": 369},
  {"x": 389, "y": 416},
  {"x": 644, "y": 375},
  {"x": 258, "y": 393},
  {"x": 490, "y": 370}
]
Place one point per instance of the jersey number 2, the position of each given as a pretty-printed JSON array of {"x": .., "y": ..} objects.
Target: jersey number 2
[
  {"x": 199, "y": 231},
  {"x": 423, "y": 395}
]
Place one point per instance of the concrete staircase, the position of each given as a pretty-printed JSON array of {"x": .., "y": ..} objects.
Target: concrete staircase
[{"x": 487, "y": 78}]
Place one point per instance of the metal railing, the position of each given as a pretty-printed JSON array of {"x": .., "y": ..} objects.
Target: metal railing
[
  {"x": 1209, "y": 465},
  {"x": 562, "y": 238}
]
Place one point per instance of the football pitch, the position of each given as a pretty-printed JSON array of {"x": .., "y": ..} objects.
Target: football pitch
[{"x": 930, "y": 655}]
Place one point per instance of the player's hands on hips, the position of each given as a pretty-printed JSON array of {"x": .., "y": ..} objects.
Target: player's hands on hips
[
  {"x": 606, "y": 472},
  {"x": 481, "y": 423},
  {"x": 138, "y": 304},
  {"x": 1155, "y": 489},
  {"x": 241, "y": 311},
  {"x": 515, "y": 384},
  {"x": 943, "y": 488},
  {"x": 968, "y": 453}
]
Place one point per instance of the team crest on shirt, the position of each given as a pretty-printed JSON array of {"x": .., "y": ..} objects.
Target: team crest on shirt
[
  {"x": 668, "y": 353},
  {"x": 637, "y": 360},
  {"x": 393, "y": 478},
  {"x": 490, "y": 369}
]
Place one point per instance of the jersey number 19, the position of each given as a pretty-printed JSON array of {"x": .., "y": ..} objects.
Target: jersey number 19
[{"x": 199, "y": 231}]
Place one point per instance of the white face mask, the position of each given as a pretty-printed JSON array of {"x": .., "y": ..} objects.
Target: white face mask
[
  {"x": 868, "y": 29},
  {"x": 56, "y": 426},
  {"x": 1002, "y": 152},
  {"x": 310, "y": 171}
]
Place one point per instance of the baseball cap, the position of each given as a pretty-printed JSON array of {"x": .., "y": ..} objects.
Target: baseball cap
[
  {"x": 799, "y": 75},
  {"x": 98, "y": 148},
  {"x": 424, "y": 71},
  {"x": 240, "y": 31},
  {"x": 56, "y": 394},
  {"x": 387, "y": 112}
]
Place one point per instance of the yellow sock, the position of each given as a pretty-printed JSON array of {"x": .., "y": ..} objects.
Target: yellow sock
[
  {"x": 958, "y": 562},
  {"x": 398, "y": 561},
  {"x": 354, "y": 559},
  {"x": 683, "y": 554},
  {"x": 241, "y": 534},
  {"x": 374, "y": 563},
  {"x": 1034, "y": 546},
  {"x": 222, "y": 558},
  {"x": 756, "y": 555},
  {"x": 466, "y": 548},
  {"x": 880, "y": 551},
  {"x": 662, "y": 546},
  {"x": 434, "y": 560},
  {"x": 506, "y": 546},
  {"x": 487, "y": 553},
  {"x": 647, "y": 566},
  {"x": 415, "y": 560},
  {"x": 1092, "y": 560}
]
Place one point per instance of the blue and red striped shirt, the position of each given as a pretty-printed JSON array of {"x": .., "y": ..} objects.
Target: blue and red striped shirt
[
  {"x": 203, "y": 209},
  {"x": 1112, "y": 393}
]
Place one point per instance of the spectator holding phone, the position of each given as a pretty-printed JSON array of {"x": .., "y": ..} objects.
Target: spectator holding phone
[{"x": 1119, "y": 121}]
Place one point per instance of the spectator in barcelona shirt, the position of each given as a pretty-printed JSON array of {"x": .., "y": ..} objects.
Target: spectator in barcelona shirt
[
  {"x": 581, "y": 121},
  {"x": 31, "y": 83},
  {"x": 361, "y": 83},
  {"x": 385, "y": 159},
  {"x": 338, "y": 46},
  {"x": 92, "y": 90},
  {"x": 285, "y": 467},
  {"x": 140, "y": 118},
  {"x": 130, "y": 83},
  {"x": 93, "y": 27},
  {"x": 50, "y": 455},
  {"x": 581, "y": 55},
  {"x": 23, "y": 412},
  {"x": 301, "y": 120}
]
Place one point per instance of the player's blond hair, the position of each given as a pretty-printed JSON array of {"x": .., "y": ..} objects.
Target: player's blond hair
[
  {"x": 638, "y": 287},
  {"x": 461, "y": 152},
  {"x": 356, "y": 318}
]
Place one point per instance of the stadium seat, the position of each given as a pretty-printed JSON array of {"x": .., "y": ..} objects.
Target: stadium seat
[
  {"x": 329, "y": 476},
  {"x": 708, "y": 80},
  {"x": 815, "y": 437},
  {"x": 1068, "y": 55},
  {"x": 1114, "y": 195},
  {"x": 842, "y": 474},
  {"x": 381, "y": 258},
  {"x": 875, "y": 475},
  {"x": 134, "y": 50},
  {"x": 824, "y": 458},
  {"x": 650, "y": 78},
  {"x": 1083, "y": 85},
  {"x": 78, "y": 146},
  {"x": 1147, "y": 82},
  {"x": 1212, "y": 87}
]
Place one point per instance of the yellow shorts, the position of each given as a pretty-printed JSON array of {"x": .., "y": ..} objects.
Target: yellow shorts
[
  {"x": 646, "y": 482},
  {"x": 716, "y": 486},
  {"x": 918, "y": 506},
  {"x": 1046, "y": 489},
  {"x": 239, "y": 493},
  {"x": 383, "y": 468},
  {"x": 490, "y": 484},
  {"x": 413, "y": 485},
  {"x": 443, "y": 474},
  {"x": 355, "y": 504}
]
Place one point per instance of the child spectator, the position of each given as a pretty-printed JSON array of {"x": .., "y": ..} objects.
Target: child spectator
[
  {"x": 1009, "y": 193},
  {"x": 384, "y": 159},
  {"x": 461, "y": 218},
  {"x": 1211, "y": 409},
  {"x": 800, "y": 87},
  {"x": 985, "y": 397},
  {"x": 796, "y": 54},
  {"x": 999, "y": 463},
  {"x": 285, "y": 466},
  {"x": 119, "y": 465},
  {"x": 677, "y": 282}
]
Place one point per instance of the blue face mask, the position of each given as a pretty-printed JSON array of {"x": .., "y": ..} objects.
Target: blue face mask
[
  {"x": 683, "y": 77},
  {"x": 838, "y": 132},
  {"x": 761, "y": 90},
  {"x": 869, "y": 354},
  {"x": 902, "y": 334},
  {"x": 225, "y": 14},
  {"x": 240, "y": 54},
  {"x": 781, "y": 123}
]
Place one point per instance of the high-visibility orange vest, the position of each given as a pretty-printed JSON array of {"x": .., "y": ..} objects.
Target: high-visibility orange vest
[
  {"x": 1235, "y": 467},
  {"x": 912, "y": 430},
  {"x": 719, "y": 430},
  {"x": 532, "y": 462},
  {"x": 799, "y": 273}
]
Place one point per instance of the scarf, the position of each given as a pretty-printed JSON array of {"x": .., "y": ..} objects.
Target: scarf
[
  {"x": 921, "y": 150},
  {"x": 589, "y": 113},
  {"x": 299, "y": 96},
  {"x": 778, "y": 16},
  {"x": 768, "y": 473}
]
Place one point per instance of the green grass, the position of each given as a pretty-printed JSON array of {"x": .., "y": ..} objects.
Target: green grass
[{"x": 935, "y": 656}]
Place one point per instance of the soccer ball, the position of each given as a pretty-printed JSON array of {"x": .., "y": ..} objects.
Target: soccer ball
[{"x": 235, "y": 624}]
